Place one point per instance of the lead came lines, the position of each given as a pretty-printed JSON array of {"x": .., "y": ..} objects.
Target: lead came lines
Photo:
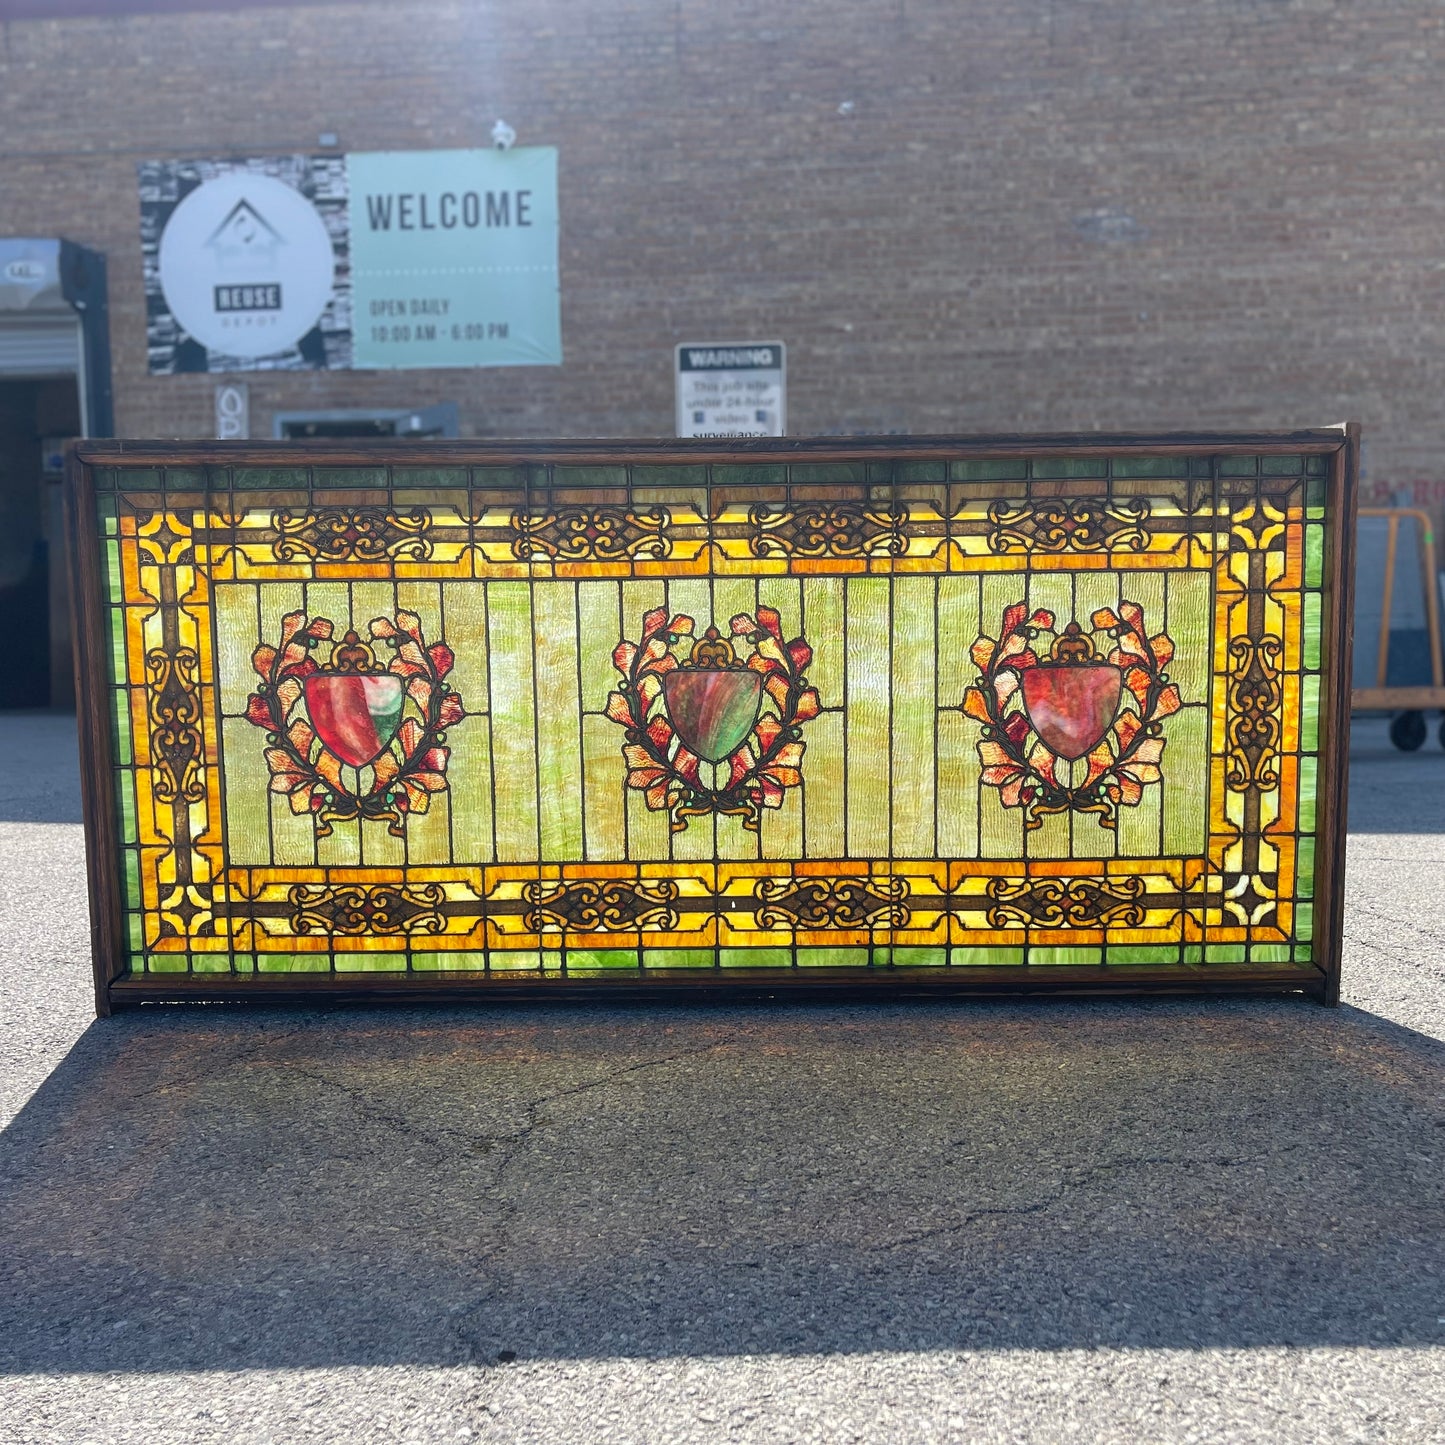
[{"x": 887, "y": 621}]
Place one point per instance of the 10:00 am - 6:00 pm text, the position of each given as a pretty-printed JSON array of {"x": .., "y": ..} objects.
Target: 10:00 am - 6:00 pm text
[
  {"x": 429, "y": 331},
  {"x": 428, "y": 306}
]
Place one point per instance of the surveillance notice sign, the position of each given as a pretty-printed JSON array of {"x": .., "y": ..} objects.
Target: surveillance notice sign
[{"x": 730, "y": 389}]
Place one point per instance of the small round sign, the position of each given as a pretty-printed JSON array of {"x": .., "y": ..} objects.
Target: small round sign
[{"x": 246, "y": 265}]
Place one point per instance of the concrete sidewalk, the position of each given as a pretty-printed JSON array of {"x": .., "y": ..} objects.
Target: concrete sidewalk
[{"x": 1144, "y": 1221}]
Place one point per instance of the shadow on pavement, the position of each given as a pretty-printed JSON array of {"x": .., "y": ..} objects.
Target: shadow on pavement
[
  {"x": 1392, "y": 791},
  {"x": 40, "y": 782},
  {"x": 207, "y": 1188}
]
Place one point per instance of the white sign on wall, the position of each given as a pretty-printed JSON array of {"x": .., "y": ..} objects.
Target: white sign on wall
[
  {"x": 332, "y": 262},
  {"x": 731, "y": 389},
  {"x": 246, "y": 265},
  {"x": 233, "y": 411}
]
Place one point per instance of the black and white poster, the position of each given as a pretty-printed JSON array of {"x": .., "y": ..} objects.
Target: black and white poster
[{"x": 247, "y": 264}]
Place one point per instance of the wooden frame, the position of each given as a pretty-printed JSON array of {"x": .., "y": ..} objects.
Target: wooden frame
[{"x": 1336, "y": 450}]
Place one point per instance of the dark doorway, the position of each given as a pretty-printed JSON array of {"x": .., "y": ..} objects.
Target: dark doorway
[{"x": 35, "y": 417}]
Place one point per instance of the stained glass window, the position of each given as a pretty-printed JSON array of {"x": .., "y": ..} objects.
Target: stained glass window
[{"x": 928, "y": 713}]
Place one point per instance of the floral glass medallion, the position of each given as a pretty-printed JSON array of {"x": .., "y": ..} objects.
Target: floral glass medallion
[
  {"x": 1040, "y": 716},
  {"x": 709, "y": 731},
  {"x": 352, "y": 713}
]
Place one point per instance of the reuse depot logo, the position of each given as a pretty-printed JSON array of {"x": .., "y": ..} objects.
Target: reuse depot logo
[{"x": 246, "y": 265}]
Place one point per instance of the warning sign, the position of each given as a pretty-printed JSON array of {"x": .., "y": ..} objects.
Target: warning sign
[{"x": 731, "y": 389}]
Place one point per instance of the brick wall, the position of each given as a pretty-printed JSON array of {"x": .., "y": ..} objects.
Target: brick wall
[{"x": 1043, "y": 214}]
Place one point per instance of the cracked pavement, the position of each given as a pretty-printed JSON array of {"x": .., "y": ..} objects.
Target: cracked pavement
[{"x": 1159, "y": 1220}]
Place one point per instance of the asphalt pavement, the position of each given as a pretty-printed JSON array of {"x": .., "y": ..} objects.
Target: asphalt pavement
[{"x": 1156, "y": 1220}]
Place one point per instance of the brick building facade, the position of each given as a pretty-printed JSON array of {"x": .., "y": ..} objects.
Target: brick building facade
[{"x": 960, "y": 216}]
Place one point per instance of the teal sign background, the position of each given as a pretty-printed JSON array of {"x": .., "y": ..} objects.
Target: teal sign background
[{"x": 454, "y": 258}]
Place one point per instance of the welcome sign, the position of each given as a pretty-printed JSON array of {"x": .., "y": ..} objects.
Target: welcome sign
[
  {"x": 385, "y": 260},
  {"x": 454, "y": 258},
  {"x": 896, "y": 714}
]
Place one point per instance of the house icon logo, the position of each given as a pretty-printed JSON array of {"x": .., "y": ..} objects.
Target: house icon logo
[
  {"x": 245, "y": 239},
  {"x": 246, "y": 265}
]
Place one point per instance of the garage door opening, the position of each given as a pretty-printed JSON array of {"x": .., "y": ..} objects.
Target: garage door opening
[
  {"x": 37, "y": 417},
  {"x": 55, "y": 384}
]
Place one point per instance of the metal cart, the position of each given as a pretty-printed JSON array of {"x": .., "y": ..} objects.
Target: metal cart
[{"x": 1375, "y": 689}]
